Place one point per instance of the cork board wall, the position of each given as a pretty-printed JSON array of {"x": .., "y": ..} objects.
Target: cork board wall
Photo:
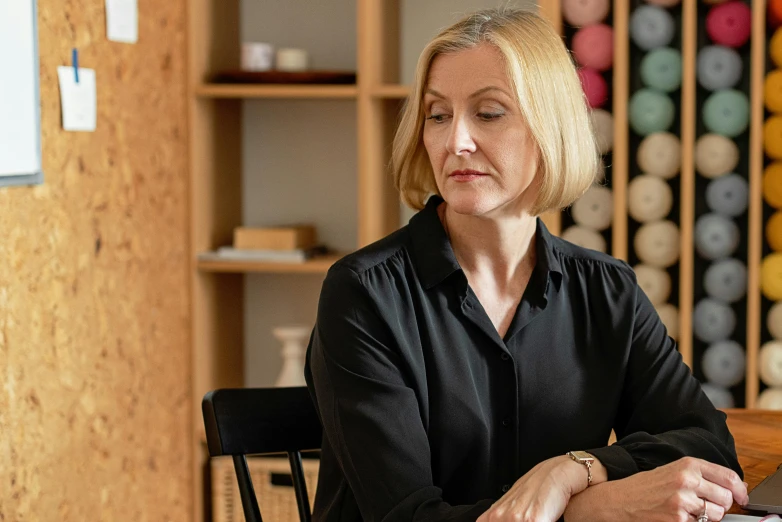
[{"x": 94, "y": 350}]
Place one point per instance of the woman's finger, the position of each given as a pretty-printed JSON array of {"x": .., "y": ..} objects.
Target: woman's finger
[
  {"x": 714, "y": 511},
  {"x": 699, "y": 506},
  {"x": 715, "y": 494},
  {"x": 727, "y": 478}
]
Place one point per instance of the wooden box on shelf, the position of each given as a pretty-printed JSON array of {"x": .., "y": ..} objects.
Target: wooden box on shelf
[{"x": 275, "y": 238}]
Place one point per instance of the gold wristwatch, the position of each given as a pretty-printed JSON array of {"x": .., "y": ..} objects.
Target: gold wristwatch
[{"x": 582, "y": 457}]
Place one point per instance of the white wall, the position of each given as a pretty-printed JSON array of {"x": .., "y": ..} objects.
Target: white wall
[
  {"x": 299, "y": 165},
  {"x": 422, "y": 19}
]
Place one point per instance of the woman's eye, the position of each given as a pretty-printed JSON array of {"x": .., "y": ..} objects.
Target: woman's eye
[
  {"x": 489, "y": 116},
  {"x": 437, "y": 118}
]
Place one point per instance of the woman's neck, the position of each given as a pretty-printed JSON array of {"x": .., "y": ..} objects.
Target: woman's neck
[{"x": 502, "y": 248}]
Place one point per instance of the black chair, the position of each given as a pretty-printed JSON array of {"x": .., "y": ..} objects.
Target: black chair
[{"x": 254, "y": 421}]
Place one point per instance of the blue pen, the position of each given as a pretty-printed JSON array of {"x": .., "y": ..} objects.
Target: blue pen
[{"x": 75, "y": 59}]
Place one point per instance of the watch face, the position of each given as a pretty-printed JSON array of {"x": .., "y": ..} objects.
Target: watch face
[{"x": 582, "y": 455}]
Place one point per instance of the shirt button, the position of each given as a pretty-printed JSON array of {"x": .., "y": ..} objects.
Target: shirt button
[
  {"x": 506, "y": 421},
  {"x": 505, "y": 488},
  {"x": 504, "y": 356}
]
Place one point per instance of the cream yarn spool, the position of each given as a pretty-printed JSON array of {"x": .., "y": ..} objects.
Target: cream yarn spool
[{"x": 585, "y": 238}]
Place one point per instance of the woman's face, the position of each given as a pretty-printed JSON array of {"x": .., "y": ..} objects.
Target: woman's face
[{"x": 482, "y": 153}]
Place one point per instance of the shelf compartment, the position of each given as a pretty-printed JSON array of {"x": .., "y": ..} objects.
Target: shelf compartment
[
  {"x": 214, "y": 90},
  {"x": 317, "y": 265}
]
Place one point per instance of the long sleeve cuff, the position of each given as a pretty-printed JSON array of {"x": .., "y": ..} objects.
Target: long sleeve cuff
[{"x": 617, "y": 461}]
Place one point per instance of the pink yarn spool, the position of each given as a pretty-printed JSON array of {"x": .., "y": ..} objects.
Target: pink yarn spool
[
  {"x": 595, "y": 87},
  {"x": 593, "y": 47},
  {"x": 730, "y": 24}
]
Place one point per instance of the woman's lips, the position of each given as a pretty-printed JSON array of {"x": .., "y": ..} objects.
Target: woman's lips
[{"x": 464, "y": 176}]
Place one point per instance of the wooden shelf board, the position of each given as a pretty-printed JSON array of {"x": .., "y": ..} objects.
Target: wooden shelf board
[
  {"x": 391, "y": 91},
  {"x": 215, "y": 90},
  {"x": 318, "y": 265},
  {"x": 755, "y": 232},
  {"x": 687, "y": 183}
]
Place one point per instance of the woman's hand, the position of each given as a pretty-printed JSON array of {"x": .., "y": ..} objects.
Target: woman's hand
[
  {"x": 675, "y": 492},
  {"x": 540, "y": 495}
]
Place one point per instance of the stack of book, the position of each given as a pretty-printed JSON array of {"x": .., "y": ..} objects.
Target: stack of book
[{"x": 290, "y": 244}]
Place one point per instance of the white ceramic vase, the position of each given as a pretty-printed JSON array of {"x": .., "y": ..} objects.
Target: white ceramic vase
[{"x": 294, "y": 340}]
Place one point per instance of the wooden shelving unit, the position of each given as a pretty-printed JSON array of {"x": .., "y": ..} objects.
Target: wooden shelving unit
[
  {"x": 619, "y": 170},
  {"x": 688, "y": 114},
  {"x": 391, "y": 91},
  {"x": 318, "y": 265},
  {"x": 755, "y": 246},
  {"x": 213, "y": 90},
  {"x": 215, "y": 116}
]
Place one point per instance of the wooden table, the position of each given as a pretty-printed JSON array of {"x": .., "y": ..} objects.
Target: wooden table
[{"x": 758, "y": 437}]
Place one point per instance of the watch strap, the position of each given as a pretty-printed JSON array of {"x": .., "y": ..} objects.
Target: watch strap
[{"x": 586, "y": 459}]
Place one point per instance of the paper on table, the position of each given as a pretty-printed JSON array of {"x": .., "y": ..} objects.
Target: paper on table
[
  {"x": 746, "y": 518},
  {"x": 79, "y": 100},
  {"x": 122, "y": 20}
]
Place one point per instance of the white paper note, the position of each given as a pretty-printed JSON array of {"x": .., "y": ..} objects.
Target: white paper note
[
  {"x": 122, "y": 20},
  {"x": 79, "y": 100}
]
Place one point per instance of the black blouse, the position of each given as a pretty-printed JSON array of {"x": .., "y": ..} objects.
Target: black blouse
[{"x": 429, "y": 415}]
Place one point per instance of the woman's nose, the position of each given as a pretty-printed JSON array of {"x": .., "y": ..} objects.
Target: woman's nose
[{"x": 460, "y": 139}]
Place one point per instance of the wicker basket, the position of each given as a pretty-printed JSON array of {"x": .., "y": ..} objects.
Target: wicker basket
[{"x": 278, "y": 502}]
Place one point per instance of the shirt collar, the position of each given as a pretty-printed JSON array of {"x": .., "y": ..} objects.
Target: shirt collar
[{"x": 435, "y": 259}]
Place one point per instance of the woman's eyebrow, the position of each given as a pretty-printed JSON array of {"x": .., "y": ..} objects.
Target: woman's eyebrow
[
  {"x": 473, "y": 95},
  {"x": 487, "y": 89}
]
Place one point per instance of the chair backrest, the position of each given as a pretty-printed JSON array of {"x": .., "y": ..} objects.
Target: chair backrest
[{"x": 254, "y": 421}]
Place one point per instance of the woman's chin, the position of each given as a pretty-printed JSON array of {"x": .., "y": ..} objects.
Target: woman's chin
[{"x": 469, "y": 203}]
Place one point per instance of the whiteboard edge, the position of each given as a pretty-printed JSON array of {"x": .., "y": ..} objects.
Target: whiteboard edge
[{"x": 34, "y": 178}]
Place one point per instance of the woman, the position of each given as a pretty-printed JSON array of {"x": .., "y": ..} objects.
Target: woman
[{"x": 458, "y": 361}]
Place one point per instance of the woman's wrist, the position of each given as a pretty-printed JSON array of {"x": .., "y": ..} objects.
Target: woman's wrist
[
  {"x": 590, "y": 503},
  {"x": 578, "y": 474},
  {"x": 599, "y": 472}
]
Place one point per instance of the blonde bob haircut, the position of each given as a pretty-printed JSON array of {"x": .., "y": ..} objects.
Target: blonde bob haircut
[{"x": 549, "y": 96}]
